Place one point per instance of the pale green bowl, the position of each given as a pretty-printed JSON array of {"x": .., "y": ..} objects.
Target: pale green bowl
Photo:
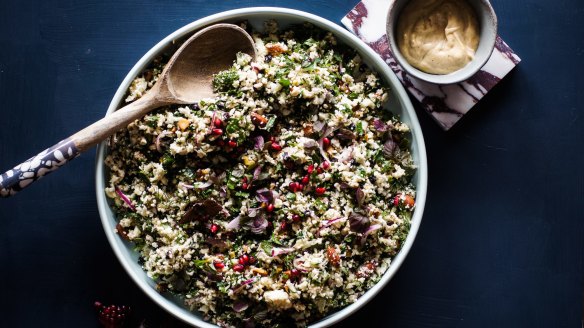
[{"x": 399, "y": 104}]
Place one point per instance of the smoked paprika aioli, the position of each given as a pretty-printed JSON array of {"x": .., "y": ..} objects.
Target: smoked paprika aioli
[{"x": 438, "y": 36}]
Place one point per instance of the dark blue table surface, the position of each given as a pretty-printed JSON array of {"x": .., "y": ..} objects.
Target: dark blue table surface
[{"x": 502, "y": 239}]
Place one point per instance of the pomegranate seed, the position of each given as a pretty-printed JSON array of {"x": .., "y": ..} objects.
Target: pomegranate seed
[
  {"x": 396, "y": 200},
  {"x": 244, "y": 179},
  {"x": 214, "y": 228},
  {"x": 294, "y": 186},
  {"x": 326, "y": 165},
  {"x": 294, "y": 274},
  {"x": 310, "y": 168},
  {"x": 270, "y": 208},
  {"x": 326, "y": 142},
  {"x": 218, "y": 122},
  {"x": 218, "y": 265},
  {"x": 295, "y": 217},
  {"x": 305, "y": 180},
  {"x": 232, "y": 143},
  {"x": 238, "y": 268},
  {"x": 217, "y": 132},
  {"x": 300, "y": 187},
  {"x": 276, "y": 146},
  {"x": 244, "y": 259},
  {"x": 320, "y": 190},
  {"x": 244, "y": 186},
  {"x": 252, "y": 259},
  {"x": 319, "y": 170}
]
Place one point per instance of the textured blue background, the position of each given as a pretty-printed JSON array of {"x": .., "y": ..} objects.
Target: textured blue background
[{"x": 501, "y": 243}]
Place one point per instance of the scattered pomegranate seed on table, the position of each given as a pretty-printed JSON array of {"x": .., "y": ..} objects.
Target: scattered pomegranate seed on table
[
  {"x": 320, "y": 191},
  {"x": 112, "y": 316}
]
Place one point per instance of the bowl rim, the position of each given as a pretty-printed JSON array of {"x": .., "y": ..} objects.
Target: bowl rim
[
  {"x": 382, "y": 69},
  {"x": 457, "y": 76}
]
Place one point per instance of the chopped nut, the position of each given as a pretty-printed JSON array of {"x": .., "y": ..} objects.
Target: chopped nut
[
  {"x": 183, "y": 124},
  {"x": 260, "y": 271}
]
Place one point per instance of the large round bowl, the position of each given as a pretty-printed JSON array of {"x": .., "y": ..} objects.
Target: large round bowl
[{"x": 399, "y": 104}]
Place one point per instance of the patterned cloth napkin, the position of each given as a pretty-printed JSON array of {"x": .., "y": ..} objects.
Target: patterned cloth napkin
[{"x": 446, "y": 103}]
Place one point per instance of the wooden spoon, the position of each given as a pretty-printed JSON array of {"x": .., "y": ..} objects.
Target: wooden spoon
[{"x": 186, "y": 79}]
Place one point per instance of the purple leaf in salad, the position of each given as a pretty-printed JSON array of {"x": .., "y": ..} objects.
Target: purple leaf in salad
[
  {"x": 249, "y": 323},
  {"x": 201, "y": 211},
  {"x": 265, "y": 195},
  {"x": 216, "y": 242},
  {"x": 125, "y": 199},
  {"x": 240, "y": 305},
  {"x": 345, "y": 134},
  {"x": 359, "y": 197},
  {"x": 389, "y": 148},
  {"x": 380, "y": 126},
  {"x": 358, "y": 222},
  {"x": 258, "y": 143}
]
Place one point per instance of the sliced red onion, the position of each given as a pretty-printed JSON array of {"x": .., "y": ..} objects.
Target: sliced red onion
[
  {"x": 258, "y": 225},
  {"x": 318, "y": 125},
  {"x": 321, "y": 149},
  {"x": 234, "y": 224},
  {"x": 257, "y": 172},
  {"x": 253, "y": 212},
  {"x": 185, "y": 186},
  {"x": 125, "y": 199},
  {"x": 368, "y": 232},
  {"x": 212, "y": 123},
  {"x": 242, "y": 285},
  {"x": 327, "y": 223},
  {"x": 277, "y": 251},
  {"x": 202, "y": 185},
  {"x": 159, "y": 138},
  {"x": 239, "y": 306},
  {"x": 298, "y": 264}
]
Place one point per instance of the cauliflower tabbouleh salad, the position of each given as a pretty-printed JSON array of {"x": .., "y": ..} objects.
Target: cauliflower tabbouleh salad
[{"x": 277, "y": 202}]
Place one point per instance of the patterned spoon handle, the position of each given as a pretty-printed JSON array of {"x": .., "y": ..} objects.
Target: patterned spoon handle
[{"x": 36, "y": 167}]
